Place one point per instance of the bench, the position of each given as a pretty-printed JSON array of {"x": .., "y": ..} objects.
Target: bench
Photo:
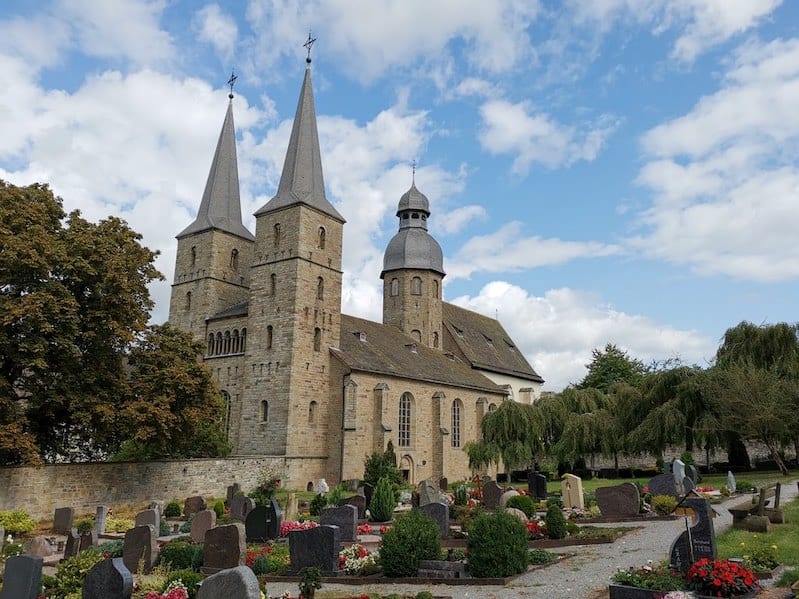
[{"x": 759, "y": 506}]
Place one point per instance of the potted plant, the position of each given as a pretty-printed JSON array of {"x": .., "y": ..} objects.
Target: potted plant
[
  {"x": 722, "y": 578},
  {"x": 648, "y": 582}
]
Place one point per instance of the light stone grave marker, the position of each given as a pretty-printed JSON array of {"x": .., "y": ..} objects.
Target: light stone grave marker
[{"x": 571, "y": 488}]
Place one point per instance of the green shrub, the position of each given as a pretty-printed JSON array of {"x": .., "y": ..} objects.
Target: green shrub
[
  {"x": 556, "y": 523},
  {"x": 11, "y": 549},
  {"x": 111, "y": 548},
  {"x": 310, "y": 580},
  {"x": 383, "y": 501},
  {"x": 413, "y": 537},
  {"x": 318, "y": 503},
  {"x": 185, "y": 528},
  {"x": 744, "y": 486},
  {"x": 381, "y": 465},
  {"x": 424, "y": 595},
  {"x": 84, "y": 526},
  {"x": 497, "y": 546},
  {"x": 542, "y": 556},
  {"x": 179, "y": 554},
  {"x": 172, "y": 509},
  {"x": 279, "y": 559},
  {"x": 663, "y": 504},
  {"x": 71, "y": 572},
  {"x": 219, "y": 508},
  {"x": 188, "y": 577},
  {"x": 464, "y": 515},
  {"x": 164, "y": 529},
  {"x": 524, "y": 503},
  {"x": 17, "y": 522},
  {"x": 461, "y": 494},
  {"x": 260, "y": 566},
  {"x": 113, "y": 524}
]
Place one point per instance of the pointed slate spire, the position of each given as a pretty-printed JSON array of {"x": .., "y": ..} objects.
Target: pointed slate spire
[
  {"x": 220, "y": 208},
  {"x": 302, "y": 181}
]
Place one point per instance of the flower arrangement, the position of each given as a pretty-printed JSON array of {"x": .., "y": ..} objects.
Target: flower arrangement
[
  {"x": 289, "y": 525},
  {"x": 721, "y": 578},
  {"x": 356, "y": 560},
  {"x": 536, "y": 529},
  {"x": 174, "y": 590},
  {"x": 384, "y": 529},
  {"x": 656, "y": 577},
  {"x": 365, "y": 529},
  {"x": 254, "y": 553}
]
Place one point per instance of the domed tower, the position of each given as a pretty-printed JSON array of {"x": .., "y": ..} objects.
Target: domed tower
[{"x": 413, "y": 269}]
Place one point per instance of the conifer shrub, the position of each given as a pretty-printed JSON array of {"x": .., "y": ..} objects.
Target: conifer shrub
[
  {"x": 663, "y": 504},
  {"x": 383, "y": 501},
  {"x": 172, "y": 509},
  {"x": 524, "y": 503},
  {"x": 219, "y": 508},
  {"x": 497, "y": 546},
  {"x": 413, "y": 537},
  {"x": 556, "y": 523}
]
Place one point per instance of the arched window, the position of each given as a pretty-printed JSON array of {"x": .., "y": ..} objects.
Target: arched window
[
  {"x": 219, "y": 346},
  {"x": 277, "y": 234},
  {"x": 193, "y": 255},
  {"x": 272, "y": 284},
  {"x": 264, "y": 411},
  {"x": 234, "y": 259},
  {"x": 435, "y": 288},
  {"x": 188, "y": 300},
  {"x": 320, "y": 238},
  {"x": 456, "y": 423},
  {"x": 435, "y": 339},
  {"x": 394, "y": 286},
  {"x": 211, "y": 344},
  {"x": 320, "y": 288},
  {"x": 317, "y": 339},
  {"x": 269, "y": 331},
  {"x": 416, "y": 286},
  {"x": 312, "y": 412},
  {"x": 492, "y": 407},
  {"x": 405, "y": 416},
  {"x": 235, "y": 347},
  {"x": 243, "y": 346},
  {"x": 417, "y": 335},
  {"x": 227, "y": 342}
]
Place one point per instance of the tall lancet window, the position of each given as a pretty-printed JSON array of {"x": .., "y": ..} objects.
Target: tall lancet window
[
  {"x": 416, "y": 286},
  {"x": 320, "y": 288},
  {"x": 321, "y": 238},
  {"x": 405, "y": 419},
  {"x": 234, "y": 259},
  {"x": 277, "y": 234}
]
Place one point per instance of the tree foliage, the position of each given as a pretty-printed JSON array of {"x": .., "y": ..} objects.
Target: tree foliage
[
  {"x": 610, "y": 367},
  {"x": 511, "y": 433}
]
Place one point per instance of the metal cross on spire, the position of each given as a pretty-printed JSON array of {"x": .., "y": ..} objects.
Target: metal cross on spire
[
  {"x": 309, "y": 44},
  {"x": 413, "y": 171},
  {"x": 231, "y": 82}
]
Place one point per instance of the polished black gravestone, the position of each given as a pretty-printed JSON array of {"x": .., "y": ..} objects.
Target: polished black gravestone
[
  {"x": 345, "y": 517},
  {"x": 316, "y": 547},
  {"x": 696, "y": 541},
  {"x": 263, "y": 523},
  {"x": 22, "y": 578},
  {"x": 536, "y": 484},
  {"x": 439, "y": 513},
  {"x": 109, "y": 579},
  {"x": 359, "y": 501}
]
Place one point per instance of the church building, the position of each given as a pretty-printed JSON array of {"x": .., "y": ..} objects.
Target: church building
[{"x": 315, "y": 389}]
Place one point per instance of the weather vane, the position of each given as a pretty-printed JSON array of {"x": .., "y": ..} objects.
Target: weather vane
[
  {"x": 413, "y": 171},
  {"x": 231, "y": 82},
  {"x": 309, "y": 45}
]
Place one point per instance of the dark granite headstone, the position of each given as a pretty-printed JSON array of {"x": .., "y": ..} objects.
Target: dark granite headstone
[
  {"x": 345, "y": 517},
  {"x": 263, "y": 522},
  {"x": 201, "y": 523},
  {"x": 109, "y": 579},
  {"x": 274, "y": 520},
  {"x": 536, "y": 484},
  {"x": 72, "y": 547},
  {"x": 62, "y": 519},
  {"x": 240, "y": 506},
  {"x": 443, "y": 484},
  {"x": 39, "y": 546},
  {"x": 232, "y": 491},
  {"x": 620, "y": 501},
  {"x": 239, "y": 582},
  {"x": 439, "y": 512},
  {"x": 140, "y": 546},
  {"x": 88, "y": 540},
  {"x": 99, "y": 519},
  {"x": 688, "y": 484},
  {"x": 195, "y": 504},
  {"x": 697, "y": 542},
  {"x": 491, "y": 494},
  {"x": 692, "y": 473},
  {"x": 662, "y": 484},
  {"x": 359, "y": 501},
  {"x": 224, "y": 547},
  {"x": 368, "y": 491},
  {"x": 22, "y": 578},
  {"x": 316, "y": 547}
]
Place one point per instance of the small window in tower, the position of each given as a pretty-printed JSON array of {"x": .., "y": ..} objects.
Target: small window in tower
[
  {"x": 264, "y": 411},
  {"x": 416, "y": 286},
  {"x": 211, "y": 340},
  {"x": 269, "y": 331},
  {"x": 321, "y": 238},
  {"x": 320, "y": 288},
  {"x": 435, "y": 340},
  {"x": 317, "y": 339},
  {"x": 193, "y": 255},
  {"x": 405, "y": 216},
  {"x": 277, "y": 234},
  {"x": 188, "y": 300},
  {"x": 234, "y": 259},
  {"x": 415, "y": 215},
  {"x": 394, "y": 287},
  {"x": 435, "y": 288},
  {"x": 272, "y": 284},
  {"x": 417, "y": 335},
  {"x": 312, "y": 412}
]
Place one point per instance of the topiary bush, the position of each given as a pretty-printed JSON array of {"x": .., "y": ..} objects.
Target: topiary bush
[
  {"x": 219, "y": 508},
  {"x": 413, "y": 537},
  {"x": 179, "y": 554},
  {"x": 172, "y": 509},
  {"x": 381, "y": 508},
  {"x": 556, "y": 523},
  {"x": 17, "y": 522},
  {"x": 497, "y": 546},
  {"x": 524, "y": 503}
]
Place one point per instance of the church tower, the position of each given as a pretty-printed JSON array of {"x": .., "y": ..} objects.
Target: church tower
[
  {"x": 214, "y": 252},
  {"x": 294, "y": 303},
  {"x": 413, "y": 272}
]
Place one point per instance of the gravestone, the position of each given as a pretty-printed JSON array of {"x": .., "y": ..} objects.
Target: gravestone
[
  {"x": 443, "y": 483},
  {"x": 692, "y": 473},
  {"x": 368, "y": 491},
  {"x": 158, "y": 505},
  {"x": 238, "y": 582},
  {"x": 662, "y": 484},
  {"x": 240, "y": 506},
  {"x": 321, "y": 487},
  {"x": 108, "y": 579},
  {"x": 232, "y": 491},
  {"x": 22, "y": 578},
  {"x": 39, "y": 546},
  {"x": 536, "y": 484},
  {"x": 151, "y": 517},
  {"x": 439, "y": 512},
  {"x": 414, "y": 498},
  {"x": 688, "y": 485},
  {"x": 201, "y": 523},
  {"x": 100, "y": 517},
  {"x": 140, "y": 545},
  {"x": 359, "y": 501},
  {"x": 621, "y": 501},
  {"x": 316, "y": 547},
  {"x": 195, "y": 504},
  {"x": 263, "y": 522},
  {"x": 503, "y": 499},
  {"x": 678, "y": 471},
  {"x": 697, "y": 542},
  {"x": 731, "y": 484},
  {"x": 292, "y": 507},
  {"x": 72, "y": 547},
  {"x": 62, "y": 519},
  {"x": 517, "y": 513},
  {"x": 88, "y": 540},
  {"x": 224, "y": 547},
  {"x": 571, "y": 488},
  {"x": 428, "y": 493},
  {"x": 491, "y": 494},
  {"x": 345, "y": 517}
]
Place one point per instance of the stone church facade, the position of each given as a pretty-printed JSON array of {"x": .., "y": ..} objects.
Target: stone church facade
[{"x": 314, "y": 389}]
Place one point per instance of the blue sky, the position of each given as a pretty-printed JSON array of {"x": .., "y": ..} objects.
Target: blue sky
[{"x": 614, "y": 171}]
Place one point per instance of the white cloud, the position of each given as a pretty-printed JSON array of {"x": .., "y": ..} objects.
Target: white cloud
[
  {"x": 557, "y": 332},
  {"x": 724, "y": 176},
  {"x": 508, "y": 250},
  {"x": 38, "y": 40},
  {"x": 457, "y": 219},
  {"x": 218, "y": 29},
  {"x": 536, "y": 137}
]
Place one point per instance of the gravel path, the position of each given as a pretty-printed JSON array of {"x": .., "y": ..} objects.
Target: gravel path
[{"x": 585, "y": 575}]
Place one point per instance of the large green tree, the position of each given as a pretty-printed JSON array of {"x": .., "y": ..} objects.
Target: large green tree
[
  {"x": 611, "y": 366},
  {"x": 511, "y": 434}
]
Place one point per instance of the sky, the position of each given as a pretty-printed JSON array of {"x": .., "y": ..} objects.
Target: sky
[{"x": 612, "y": 171}]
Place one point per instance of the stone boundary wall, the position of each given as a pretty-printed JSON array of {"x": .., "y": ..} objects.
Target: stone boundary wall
[{"x": 84, "y": 486}]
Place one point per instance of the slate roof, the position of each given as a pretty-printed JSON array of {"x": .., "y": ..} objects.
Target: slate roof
[
  {"x": 240, "y": 309},
  {"x": 485, "y": 343},
  {"x": 386, "y": 350}
]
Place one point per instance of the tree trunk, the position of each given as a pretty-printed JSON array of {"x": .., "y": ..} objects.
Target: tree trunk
[
  {"x": 777, "y": 458},
  {"x": 616, "y": 462}
]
